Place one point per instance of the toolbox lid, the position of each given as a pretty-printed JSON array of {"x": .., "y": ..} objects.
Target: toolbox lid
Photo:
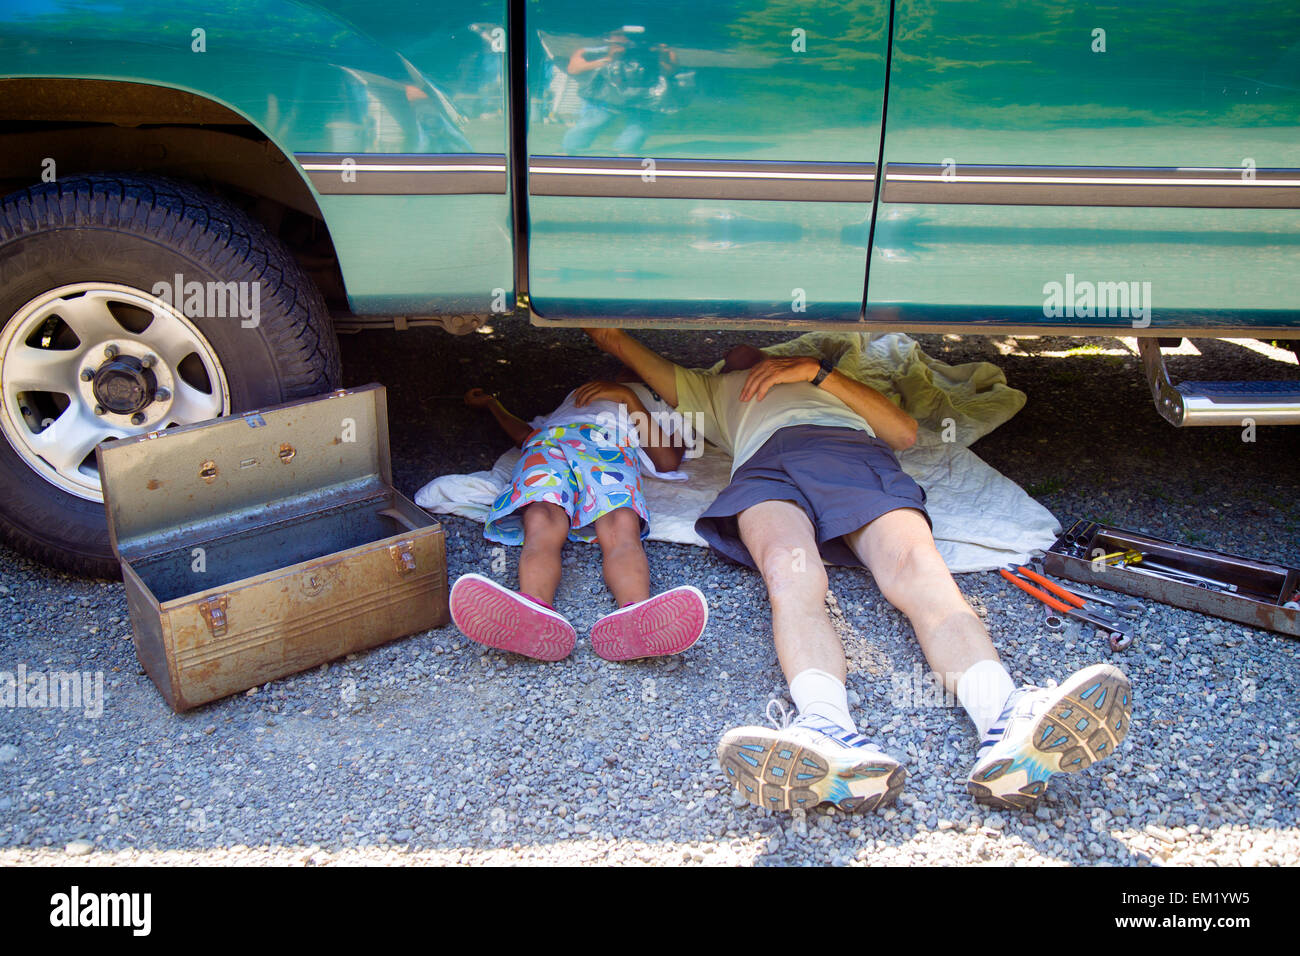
[{"x": 195, "y": 482}]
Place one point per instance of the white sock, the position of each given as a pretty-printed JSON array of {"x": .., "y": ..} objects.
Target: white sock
[
  {"x": 817, "y": 692},
  {"x": 983, "y": 690}
]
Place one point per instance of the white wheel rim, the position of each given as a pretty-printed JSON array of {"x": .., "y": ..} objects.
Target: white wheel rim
[{"x": 54, "y": 338}]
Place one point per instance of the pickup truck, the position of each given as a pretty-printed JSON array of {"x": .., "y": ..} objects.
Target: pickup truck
[{"x": 198, "y": 197}]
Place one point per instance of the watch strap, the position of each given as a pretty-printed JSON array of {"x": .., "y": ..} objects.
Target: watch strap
[{"x": 827, "y": 367}]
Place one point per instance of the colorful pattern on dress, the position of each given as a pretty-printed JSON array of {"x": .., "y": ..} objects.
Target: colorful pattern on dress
[{"x": 577, "y": 467}]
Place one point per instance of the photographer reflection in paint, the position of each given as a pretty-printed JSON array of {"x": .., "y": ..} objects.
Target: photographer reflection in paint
[{"x": 628, "y": 79}]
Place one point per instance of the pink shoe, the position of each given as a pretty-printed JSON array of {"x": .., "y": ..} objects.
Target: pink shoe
[
  {"x": 667, "y": 623},
  {"x": 493, "y": 615}
]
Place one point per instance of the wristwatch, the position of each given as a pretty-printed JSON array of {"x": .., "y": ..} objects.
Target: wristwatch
[{"x": 827, "y": 367}]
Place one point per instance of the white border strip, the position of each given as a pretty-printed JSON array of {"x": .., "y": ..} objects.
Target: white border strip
[{"x": 1080, "y": 180}]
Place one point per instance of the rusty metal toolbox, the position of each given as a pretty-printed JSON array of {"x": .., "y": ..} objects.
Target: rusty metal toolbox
[
  {"x": 1257, "y": 593},
  {"x": 266, "y": 543}
]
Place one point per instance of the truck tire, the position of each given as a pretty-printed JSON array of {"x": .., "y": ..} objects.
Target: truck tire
[{"x": 94, "y": 344}]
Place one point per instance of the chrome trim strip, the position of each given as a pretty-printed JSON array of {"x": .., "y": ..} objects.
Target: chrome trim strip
[
  {"x": 1092, "y": 186},
  {"x": 891, "y": 319},
  {"x": 472, "y": 173},
  {"x": 1096, "y": 181},
  {"x": 653, "y": 178},
  {"x": 702, "y": 174},
  {"x": 397, "y": 174},
  {"x": 390, "y": 168}
]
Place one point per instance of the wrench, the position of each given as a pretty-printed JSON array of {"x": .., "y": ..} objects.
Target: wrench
[
  {"x": 1180, "y": 577},
  {"x": 1125, "y": 606},
  {"x": 1119, "y": 638}
]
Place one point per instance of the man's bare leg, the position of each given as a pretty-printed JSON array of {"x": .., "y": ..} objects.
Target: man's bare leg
[
  {"x": 898, "y": 549},
  {"x": 781, "y": 540},
  {"x": 819, "y": 758},
  {"x": 1013, "y": 764}
]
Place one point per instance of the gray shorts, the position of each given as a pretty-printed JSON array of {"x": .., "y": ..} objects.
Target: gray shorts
[{"x": 842, "y": 478}]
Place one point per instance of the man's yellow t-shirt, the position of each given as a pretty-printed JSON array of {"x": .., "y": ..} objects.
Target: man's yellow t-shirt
[{"x": 741, "y": 428}]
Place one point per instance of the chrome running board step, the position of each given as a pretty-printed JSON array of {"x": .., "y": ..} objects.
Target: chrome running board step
[{"x": 1217, "y": 403}]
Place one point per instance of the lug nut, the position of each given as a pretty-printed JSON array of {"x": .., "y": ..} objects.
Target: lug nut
[
  {"x": 148, "y": 361},
  {"x": 99, "y": 410},
  {"x": 162, "y": 395},
  {"x": 137, "y": 418},
  {"x": 87, "y": 374},
  {"x": 110, "y": 351}
]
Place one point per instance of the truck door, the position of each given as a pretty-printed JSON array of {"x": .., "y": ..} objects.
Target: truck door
[
  {"x": 1127, "y": 168},
  {"x": 709, "y": 161}
]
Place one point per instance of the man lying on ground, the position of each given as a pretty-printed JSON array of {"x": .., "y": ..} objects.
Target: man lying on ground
[{"x": 815, "y": 474}]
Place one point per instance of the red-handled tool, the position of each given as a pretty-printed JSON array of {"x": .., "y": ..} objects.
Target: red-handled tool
[
  {"x": 1070, "y": 604},
  {"x": 1126, "y": 606},
  {"x": 1069, "y": 597},
  {"x": 1041, "y": 595}
]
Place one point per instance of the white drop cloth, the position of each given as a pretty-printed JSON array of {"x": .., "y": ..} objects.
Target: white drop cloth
[{"x": 982, "y": 519}]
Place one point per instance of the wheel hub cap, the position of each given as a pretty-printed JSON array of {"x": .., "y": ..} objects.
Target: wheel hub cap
[
  {"x": 89, "y": 362},
  {"x": 124, "y": 386}
]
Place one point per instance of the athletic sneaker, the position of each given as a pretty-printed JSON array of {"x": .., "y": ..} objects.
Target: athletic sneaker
[
  {"x": 1043, "y": 731},
  {"x": 807, "y": 762},
  {"x": 493, "y": 615},
  {"x": 667, "y": 623}
]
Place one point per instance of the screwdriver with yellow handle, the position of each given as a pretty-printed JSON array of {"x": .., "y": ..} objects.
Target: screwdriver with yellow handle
[{"x": 1120, "y": 557}]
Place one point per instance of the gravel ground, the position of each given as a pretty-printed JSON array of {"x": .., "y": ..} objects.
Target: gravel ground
[{"x": 432, "y": 750}]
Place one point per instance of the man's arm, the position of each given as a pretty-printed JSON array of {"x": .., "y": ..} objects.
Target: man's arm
[
  {"x": 892, "y": 425},
  {"x": 578, "y": 63},
  {"x": 652, "y": 368}
]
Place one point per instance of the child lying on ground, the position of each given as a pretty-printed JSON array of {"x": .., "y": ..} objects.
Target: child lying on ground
[{"x": 579, "y": 478}]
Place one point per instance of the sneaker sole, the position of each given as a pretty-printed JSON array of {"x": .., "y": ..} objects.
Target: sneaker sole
[
  {"x": 1086, "y": 724},
  {"x": 667, "y": 623},
  {"x": 776, "y": 774},
  {"x": 490, "y": 614}
]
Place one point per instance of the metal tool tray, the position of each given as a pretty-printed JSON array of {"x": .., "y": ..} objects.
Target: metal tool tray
[{"x": 1263, "y": 587}]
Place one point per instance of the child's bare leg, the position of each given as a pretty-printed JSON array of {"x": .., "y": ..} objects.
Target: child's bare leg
[
  {"x": 627, "y": 573},
  {"x": 546, "y": 527}
]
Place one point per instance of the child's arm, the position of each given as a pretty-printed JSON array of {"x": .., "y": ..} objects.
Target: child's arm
[
  {"x": 665, "y": 451},
  {"x": 516, "y": 428}
]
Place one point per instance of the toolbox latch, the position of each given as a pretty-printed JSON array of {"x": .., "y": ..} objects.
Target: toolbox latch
[
  {"x": 214, "y": 612},
  {"x": 403, "y": 557}
]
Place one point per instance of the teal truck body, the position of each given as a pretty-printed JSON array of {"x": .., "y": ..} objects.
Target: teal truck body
[{"x": 1033, "y": 166}]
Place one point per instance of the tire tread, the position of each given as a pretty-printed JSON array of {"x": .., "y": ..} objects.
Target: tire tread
[{"x": 294, "y": 321}]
